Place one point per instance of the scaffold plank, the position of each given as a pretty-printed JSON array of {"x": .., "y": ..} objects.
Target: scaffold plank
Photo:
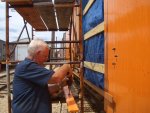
[
  {"x": 31, "y": 15},
  {"x": 63, "y": 17},
  {"x": 64, "y": 13},
  {"x": 48, "y": 16}
]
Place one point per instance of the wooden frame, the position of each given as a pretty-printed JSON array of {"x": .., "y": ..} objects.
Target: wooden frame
[
  {"x": 100, "y": 91},
  {"x": 99, "y": 28},
  {"x": 94, "y": 66},
  {"x": 87, "y": 7}
]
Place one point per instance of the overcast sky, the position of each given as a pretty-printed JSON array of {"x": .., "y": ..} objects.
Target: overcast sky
[{"x": 16, "y": 24}]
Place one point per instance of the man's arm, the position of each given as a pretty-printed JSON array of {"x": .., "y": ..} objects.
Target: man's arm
[
  {"x": 60, "y": 74},
  {"x": 55, "y": 88}
]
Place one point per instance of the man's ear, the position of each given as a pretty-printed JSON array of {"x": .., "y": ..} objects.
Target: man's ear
[{"x": 38, "y": 52}]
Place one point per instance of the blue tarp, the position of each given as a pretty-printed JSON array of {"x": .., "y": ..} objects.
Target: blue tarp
[
  {"x": 94, "y": 47},
  {"x": 94, "y": 77},
  {"x": 94, "y": 16}
]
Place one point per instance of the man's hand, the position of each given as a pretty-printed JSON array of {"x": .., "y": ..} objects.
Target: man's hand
[
  {"x": 69, "y": 81},
  {"x": 69, "y": 73}
]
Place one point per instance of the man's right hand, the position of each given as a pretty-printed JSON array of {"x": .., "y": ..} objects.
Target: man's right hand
[{"x": 69, "y": 81}]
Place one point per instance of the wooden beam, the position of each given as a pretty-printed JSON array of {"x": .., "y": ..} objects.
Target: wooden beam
[
  {"x": 94, "y": 66},
  {"x": 87, "y": 7},
  {"x": 48, "y": 42},
  {"x": 101, "y": 92},
  {"x": 63, "y": 1},
  {"x": 105, "y": 94},
  {"x": 61, "y": 63},
  {"x": 55, "y": 5},
  {"x": 72, "y": 106},
  {"x": 99, "y": 28},
  {"x": 18, "y": 2}
]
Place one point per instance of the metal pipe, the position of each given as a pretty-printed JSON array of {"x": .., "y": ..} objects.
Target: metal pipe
[
  {"x": 47, "y": 42},
  {"x": 61, "y": 63},
  {"x": 70, "y": 38},
  {"x": 60, "y": 48},
  {"x": 26, "y": 29},
  {"x": 81, "y": 57},
  {"x": 8, "y": 58},
  {"x": 58, "y": 59},
  {"x": 18, "y": 39},
  {"x": 56, "y": 54},
  {"x": 32, "y": 34}
]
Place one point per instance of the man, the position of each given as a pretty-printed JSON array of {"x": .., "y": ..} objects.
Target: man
[{"x": 30, "y": 84}]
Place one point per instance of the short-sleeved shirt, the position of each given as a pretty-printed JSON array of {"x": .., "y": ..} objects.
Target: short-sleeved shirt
[{"x": 30, "y": 90}]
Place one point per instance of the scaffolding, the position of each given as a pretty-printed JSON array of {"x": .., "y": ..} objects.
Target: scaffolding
[{"x": 65, "y": 25}]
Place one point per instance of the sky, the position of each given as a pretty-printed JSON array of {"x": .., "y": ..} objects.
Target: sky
[{"x": 16, "y": 24}]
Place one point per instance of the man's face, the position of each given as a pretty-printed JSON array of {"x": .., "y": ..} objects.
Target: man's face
[{"x": 42, "y": 55}]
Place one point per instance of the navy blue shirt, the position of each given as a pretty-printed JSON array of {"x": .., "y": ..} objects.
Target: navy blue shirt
[{"x": 30, "y": 90}]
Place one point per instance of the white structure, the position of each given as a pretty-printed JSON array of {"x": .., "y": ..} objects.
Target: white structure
[{"x": 21, "y": 50}]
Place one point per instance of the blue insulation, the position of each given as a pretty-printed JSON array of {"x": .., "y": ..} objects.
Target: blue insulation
[
  {"x": 84, "y": 4},
  {"x": 94, "y": 16},
  {"x": 94, "y": 46},
  {"x": 94, "y": 77},
  {"x": 94, "y": 49}
]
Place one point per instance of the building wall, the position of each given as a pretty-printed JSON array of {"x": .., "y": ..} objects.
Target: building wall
[
  {"x": 21, "y": 50},
  {"x": 127, "y": 35},
  {"x": 2, "y": 50}
]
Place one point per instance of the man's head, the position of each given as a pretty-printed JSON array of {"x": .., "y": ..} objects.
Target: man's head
[{"x": 38, "y": 51}]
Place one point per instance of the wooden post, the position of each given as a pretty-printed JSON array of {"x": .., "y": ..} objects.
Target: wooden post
[
  {"x": 52, "y": 46},
  {"x": 81, "y": 56},
  {"x": 70, "y": 37},
  {"x": 8, "y": 58}
]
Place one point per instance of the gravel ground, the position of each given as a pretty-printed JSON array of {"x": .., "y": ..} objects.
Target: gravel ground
[
  {"x": 56, "y": 107},
  {"x": 3, "y": 104}
]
